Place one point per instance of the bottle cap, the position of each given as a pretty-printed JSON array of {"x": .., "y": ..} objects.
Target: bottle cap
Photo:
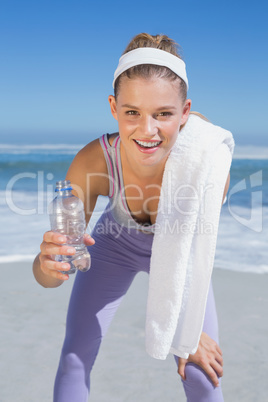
[{"x": 63, "y": 185}]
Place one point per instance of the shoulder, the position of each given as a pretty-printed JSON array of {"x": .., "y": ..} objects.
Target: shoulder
[
  {"x": 89, "y": 168},
  {"x": 92, "y": 157},
  {"x": 92, "y": 152}
]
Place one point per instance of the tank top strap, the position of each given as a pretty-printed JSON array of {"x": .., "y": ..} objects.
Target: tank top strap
[
  {"x": 108, "y": 154},
  {"x": 113, "y": 161},
  {"x": 112, "y": 154},
  {"x": 118, "y": 163},
  {"x": 105, "y": 141}
]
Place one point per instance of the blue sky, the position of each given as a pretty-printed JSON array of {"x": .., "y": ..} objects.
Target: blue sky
[{"x": 58, "y": 59}]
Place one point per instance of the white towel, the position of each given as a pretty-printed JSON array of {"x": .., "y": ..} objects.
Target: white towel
[{"x": 185, "y": 237}]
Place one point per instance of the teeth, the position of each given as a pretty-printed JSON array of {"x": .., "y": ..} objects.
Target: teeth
[{"x": 148, "y": 144}]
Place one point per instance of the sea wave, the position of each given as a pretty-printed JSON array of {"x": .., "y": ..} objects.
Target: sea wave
[
  {"x": 256, "y": 269},
  {"x": 250, "y": 152},
  {"x": 240, "y": 151},
  {"x": 40, "y": 148},
  {"x": 17, "y": 258},
  {"x": 234, "y": 266}
]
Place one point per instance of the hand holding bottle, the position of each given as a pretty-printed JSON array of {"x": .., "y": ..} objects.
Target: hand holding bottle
[
  {"x": 54, "y": 243},
  {"x": 67, "y": 217}
]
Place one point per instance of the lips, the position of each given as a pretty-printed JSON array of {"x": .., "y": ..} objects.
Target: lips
[{"x": 147, "y": 146}]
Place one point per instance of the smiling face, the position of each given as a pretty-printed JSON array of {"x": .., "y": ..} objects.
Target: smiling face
[{"x": 149, "y": 114}]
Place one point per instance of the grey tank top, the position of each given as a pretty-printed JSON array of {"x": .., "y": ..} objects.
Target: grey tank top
[{"x": 117, "y": 200}]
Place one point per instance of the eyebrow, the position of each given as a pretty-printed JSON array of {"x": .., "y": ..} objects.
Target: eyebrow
[{"x": 160, "y": 108}]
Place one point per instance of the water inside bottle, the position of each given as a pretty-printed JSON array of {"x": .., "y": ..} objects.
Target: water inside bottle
[{"x": 82, "y": 262}]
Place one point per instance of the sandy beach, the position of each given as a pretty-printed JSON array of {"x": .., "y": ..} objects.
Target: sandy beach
[{"x": 33, "y": 324}]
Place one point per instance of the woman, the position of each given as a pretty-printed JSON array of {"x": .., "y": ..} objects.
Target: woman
[{"x": 151, "y": 106}]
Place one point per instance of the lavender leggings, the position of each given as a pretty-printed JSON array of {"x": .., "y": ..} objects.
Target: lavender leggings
[{"x": 117, "y": 256}]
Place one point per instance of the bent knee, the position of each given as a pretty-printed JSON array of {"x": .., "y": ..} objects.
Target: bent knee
[
  {"x": 71, "y": 362},
  {"x": 77, "y": 355},
  {"x": 198, "y": 379}
]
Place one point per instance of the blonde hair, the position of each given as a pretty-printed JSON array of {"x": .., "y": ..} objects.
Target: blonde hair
[
  {"x": 196, "y": 114},
  {"x": 200, "y": 115},
  {"x": 162, "y": 42}
]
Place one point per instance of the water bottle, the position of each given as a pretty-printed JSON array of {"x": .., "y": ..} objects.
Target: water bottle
[{"x": 67, "y": 216}]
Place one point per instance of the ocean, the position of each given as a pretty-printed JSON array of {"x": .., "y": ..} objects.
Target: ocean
[{"x": 27, "y": 178}]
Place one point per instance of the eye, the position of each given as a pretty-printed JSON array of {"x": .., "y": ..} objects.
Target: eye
[
  {"x": 132, "y": 113},
  {"x": 164, "y": 114}
]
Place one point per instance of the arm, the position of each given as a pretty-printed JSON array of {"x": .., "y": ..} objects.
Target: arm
[{"x": 88, "y": 176}]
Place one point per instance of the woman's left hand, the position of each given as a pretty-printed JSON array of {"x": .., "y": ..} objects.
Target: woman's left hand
[{"x": 208, "y": 356}]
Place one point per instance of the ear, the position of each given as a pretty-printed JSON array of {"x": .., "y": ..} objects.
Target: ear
[
  {"x": 186, "y": 111},
  {"x": 112, "y": 102}
]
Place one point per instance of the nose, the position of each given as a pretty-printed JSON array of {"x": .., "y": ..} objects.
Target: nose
[{"x": 149, "y": 126}]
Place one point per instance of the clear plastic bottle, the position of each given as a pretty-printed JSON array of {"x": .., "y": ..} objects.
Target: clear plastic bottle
[{"x": 66, "y": 213}]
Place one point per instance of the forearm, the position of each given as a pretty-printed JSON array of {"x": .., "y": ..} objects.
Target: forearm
[{"x": 44, "y": 280}]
